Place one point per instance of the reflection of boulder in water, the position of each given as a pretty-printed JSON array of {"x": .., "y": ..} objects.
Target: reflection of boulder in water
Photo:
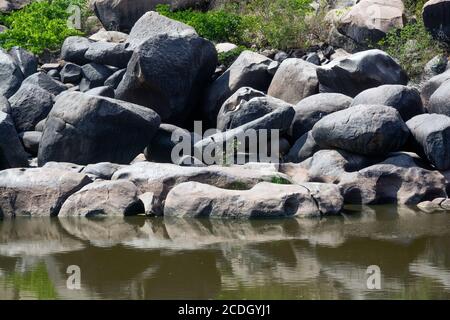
[
  {"x": 34, "y": 237},
  {"x": 188, "y": 233},
  {"x": 102, "y": 232},
  {"x": 264, "y": 264},
  {"x": 125, "y": 273}
]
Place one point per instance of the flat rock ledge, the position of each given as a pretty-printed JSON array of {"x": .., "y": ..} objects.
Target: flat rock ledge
[{"x": 265, "y": 200}]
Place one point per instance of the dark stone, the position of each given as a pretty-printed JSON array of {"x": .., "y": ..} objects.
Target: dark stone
[
  {"x": 368, "y": 130},
  {"x": 85, "y": 129}
]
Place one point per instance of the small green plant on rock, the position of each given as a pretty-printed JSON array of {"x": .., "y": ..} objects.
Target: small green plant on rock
[{"x": 280, "y": 180}]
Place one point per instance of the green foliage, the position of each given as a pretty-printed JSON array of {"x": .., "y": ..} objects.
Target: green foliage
[
  {"x": 414, "y": 7},
  {"x": 227, "y": 58},
  {"x": 216, "y": 25},
  {"x": 412, "y": 46},
  {"x": 278, "y": 24},
  {"x": 40, "y": 25},
  {"x": 280, "y": 180}
]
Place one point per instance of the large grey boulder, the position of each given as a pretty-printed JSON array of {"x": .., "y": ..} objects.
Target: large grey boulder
[
  {"x": 10, "y": 75},
  {"x": 436, "y": 18},
  {"x": 160, "y": 178},
  {"x": 122, "y": 14},
  {"x": 359, "y": 72},
  {"x": 74, "y": 48},
  {"x": 368, "y": 21},
  {"x": 249, "y": 70},
  {"x": 26, "y": 61},
  {"x": 440, "y": 100},
  {"x": 247, "y": 111},
  {"x": 108, "y": 53},
  {"x": 430, "y": 137},
  {"x": 392, "y": 182},
  {"x": 85, "y": 129},
  {"x": 12, "y": 153},
  {"x": 43, "y": 80},
  {"x": 430, "y": 86},
  {"x": 29, "y": 105},
  {"x": 294, "y": 80},
  {"x": 265, "y": 200},
  {"x": 152, "y": 25},
  {"x": 104, "y": 198},
  {"x": 367, "y": 130},
  {"x": 153, "y": 75},
  {"x": 405, "y": 100},
  {"x": 37, "y": 191},
  {"x": 311, "y": 109}
]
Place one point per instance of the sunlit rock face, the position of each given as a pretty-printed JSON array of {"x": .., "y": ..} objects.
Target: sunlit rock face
[{"x": 160, "y": 178}]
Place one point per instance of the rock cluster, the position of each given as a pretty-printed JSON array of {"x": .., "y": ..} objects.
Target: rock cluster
[{"x": 98, "y": 132}]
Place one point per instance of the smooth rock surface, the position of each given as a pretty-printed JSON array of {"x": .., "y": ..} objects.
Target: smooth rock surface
[
  {"x": 294, "y": 80},
  {"x": 389, "y": 182},
  {"x": 153, "y": 75},
  {"x": 37, "y": 191},
  {"x": 405, "y": 100},
  {"x": 367, "y": 130},
  {"x": 430, "y": 137},
  {"x": 311, "y": 109},
  {"x": 104, "y": 198},
  {"x": 10, "y": 75},
  {"x": 359, "y": 72},
  {"x": 440, "y": 100},
  {"x": 193, "y": 199},
  {"x": 29, "y": 105},
  {"x": 86, "y": 129}
]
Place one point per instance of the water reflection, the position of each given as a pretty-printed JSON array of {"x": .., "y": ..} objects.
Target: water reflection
[{"x": 138, "y": 258}]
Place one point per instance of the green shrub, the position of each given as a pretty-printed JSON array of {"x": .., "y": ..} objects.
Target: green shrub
[
  {"x": 38, "y": 26},
  {"x": 412, "y": 46},
  {"x": 280, "y": 24},
  {"x": 216, "y": 25}
]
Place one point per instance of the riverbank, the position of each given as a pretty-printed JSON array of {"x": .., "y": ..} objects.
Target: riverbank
[{"x": 117, "y": 126}]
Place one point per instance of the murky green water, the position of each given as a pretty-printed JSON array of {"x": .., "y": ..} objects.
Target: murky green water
[{"x": 142, "y": 258}]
